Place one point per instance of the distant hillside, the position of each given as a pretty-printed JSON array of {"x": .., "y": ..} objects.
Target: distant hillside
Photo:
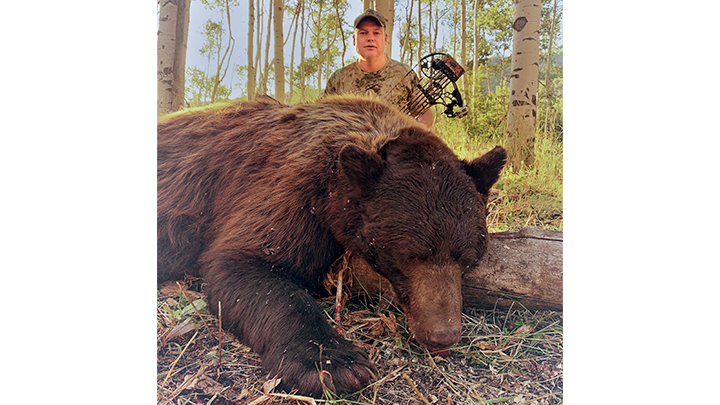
[{"x": 558, "y": 60}]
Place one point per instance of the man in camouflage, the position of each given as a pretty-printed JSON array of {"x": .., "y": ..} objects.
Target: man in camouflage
[{"x": 374, "y": 73}]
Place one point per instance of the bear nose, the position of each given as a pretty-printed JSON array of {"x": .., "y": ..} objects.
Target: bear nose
[{"x": 443, "y": 338}]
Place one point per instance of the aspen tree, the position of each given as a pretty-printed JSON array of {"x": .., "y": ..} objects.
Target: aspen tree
[
  {"x": 387, "y": 9},
  {"x": 463, "y": 49},
  {"x": 251, "y": 72},
  {"x": 291, "y": 80},
  {"x": 419, "y": 72},
  {"x": 173, "y": 24},
  {"x": 279, "y": 58},
  {"x": 522, "y": 108}
]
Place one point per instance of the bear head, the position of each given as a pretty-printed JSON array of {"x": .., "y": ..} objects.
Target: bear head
[{"x": 419, "y": 221}]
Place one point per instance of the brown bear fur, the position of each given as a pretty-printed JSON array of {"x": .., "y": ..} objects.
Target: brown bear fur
[{"x": 260, "y": 199}]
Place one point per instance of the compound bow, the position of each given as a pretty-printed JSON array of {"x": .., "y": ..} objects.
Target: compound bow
[{"x": 439, "y": 71}]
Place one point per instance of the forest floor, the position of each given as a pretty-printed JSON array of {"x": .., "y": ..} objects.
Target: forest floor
[{"x": 505, "y": 357}]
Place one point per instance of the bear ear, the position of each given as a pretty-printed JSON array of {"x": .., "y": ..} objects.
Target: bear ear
[
  {"x": 485, "y": 170},
  {"x": 362, "y": 167}
]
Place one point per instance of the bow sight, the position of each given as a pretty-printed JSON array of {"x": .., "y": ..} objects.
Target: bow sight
[{"x": 439, "y": 71}]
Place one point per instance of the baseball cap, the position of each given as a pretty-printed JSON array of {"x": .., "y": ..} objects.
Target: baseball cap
[{"x": 371, "y": 14}]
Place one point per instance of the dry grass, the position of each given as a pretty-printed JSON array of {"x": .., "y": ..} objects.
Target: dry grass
[
  {"x": 505, "y": 357},
  {"x": 523, "y": 196}
]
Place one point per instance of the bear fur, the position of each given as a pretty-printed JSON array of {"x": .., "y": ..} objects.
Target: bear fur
[{"x": 260, "y": 199}]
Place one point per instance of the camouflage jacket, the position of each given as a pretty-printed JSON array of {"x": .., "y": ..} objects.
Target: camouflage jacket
[{"x": 391, "y": 83}]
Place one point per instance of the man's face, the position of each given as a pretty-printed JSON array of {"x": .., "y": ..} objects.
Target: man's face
[{"x": 370, "y": 39}]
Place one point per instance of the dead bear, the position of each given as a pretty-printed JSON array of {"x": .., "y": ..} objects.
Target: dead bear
[{"x": 260, "y": 199}]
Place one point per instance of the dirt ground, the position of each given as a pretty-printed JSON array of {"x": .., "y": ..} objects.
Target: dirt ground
[{"x": 508, "y": 356}]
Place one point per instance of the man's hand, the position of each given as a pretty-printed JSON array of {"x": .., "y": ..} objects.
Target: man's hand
[{"x": 427, "y": 118}]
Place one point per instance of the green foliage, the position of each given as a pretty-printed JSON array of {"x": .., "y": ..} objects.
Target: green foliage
[
  {"x": 183, "y": 309},
  {"x": 198, "y": 87},
  {"x": 545, "y": 24},
  {"x": 487, "y": 115},
  {"x": 527, "y": 197},
  {"x": 531, "y": 196},
  {"x": 177, "y": 318},
  {"x": 554, "y": 119},
  {"x": 214, "y": 4}
]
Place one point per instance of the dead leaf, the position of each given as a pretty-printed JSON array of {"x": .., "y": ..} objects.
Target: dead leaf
[
  {"x": 270, "y": 385},
  {"x": 207, "y": 385},
  {"x": 390, "y": 322},
  {"x": 181, "y": 329},
  {"x": 244, "y": 394},
  {"x": 523, "y": 330}
]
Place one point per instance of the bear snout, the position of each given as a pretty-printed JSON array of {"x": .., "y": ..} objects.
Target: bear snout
[
  {"x": 442, "y": 339},
  {"x": 433, "y": 304}
]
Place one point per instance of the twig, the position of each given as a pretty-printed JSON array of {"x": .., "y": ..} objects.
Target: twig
[
  {"x": 376, "y": 385},
  {"x": 422, "y": 398},
  {"x": 496, "y": 400},
  {"x": 172, "y": 366},
  {"x": 265, "y": 397},
  {"x": 182, "y": 290},
  {"x": 220, "y": 333},
  {"x": 186, "y": 383},
  {"x": 338, "y": 296},
  {"x": 338, "y": 301},
  {"x": 216, "y": 395},
  {"x": 540, "y": 397}
]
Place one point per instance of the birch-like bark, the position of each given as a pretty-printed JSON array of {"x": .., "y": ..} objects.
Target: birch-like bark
[
  {"x": 387, "y": 9},
  {"x": 419, "y": 54},
  {"x": 463, "y": 49},
  {"x": 291, "y": 83},
  {"x": 266, "y": 69},
  {"x": 279, "y": 57},
  {"x": 522, "y": 108},
  {"x": 171, "y": 51},
  {"x": 303, "y": 97},
  {"x": 251, "y": 72}
]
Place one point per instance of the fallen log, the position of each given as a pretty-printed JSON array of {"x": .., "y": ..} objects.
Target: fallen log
[{"x": 521, "y": 268}]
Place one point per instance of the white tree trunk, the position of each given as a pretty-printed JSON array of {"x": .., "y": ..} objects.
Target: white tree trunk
[
  {"x": 387, "y": 9},
  {"x": 522, "y": 109},
  {"x": 266, "y": 69},
  {"x": 463, "y": 49},
  {"x": 172, "y": 49},
  {"x": 291, "y": 82},
  {"x": 251, "y": 72},
  {"x": 302, "y": 55},
  {"x": 166, "y": 56},
  {"x": 475, "y": 52},
  {"x": 419, "y": 72},
  {"x": 181, "y": 43},
  {"x": 279, "y": 58}
]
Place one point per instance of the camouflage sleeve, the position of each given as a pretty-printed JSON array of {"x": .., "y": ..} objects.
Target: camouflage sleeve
[{"x": 330, "y": 87}]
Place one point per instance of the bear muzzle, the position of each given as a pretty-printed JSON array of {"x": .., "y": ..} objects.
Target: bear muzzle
[
  {"x": 433, "y": 305},
  {"x": 442, "y": 339}
]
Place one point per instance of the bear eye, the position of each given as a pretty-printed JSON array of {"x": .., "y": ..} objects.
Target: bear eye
[
  {"x": 465, "y": 258},
  {"x": 420, "y": 255}
]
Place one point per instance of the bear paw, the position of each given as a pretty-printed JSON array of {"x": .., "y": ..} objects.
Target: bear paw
[{"x": 341, "y": 368}]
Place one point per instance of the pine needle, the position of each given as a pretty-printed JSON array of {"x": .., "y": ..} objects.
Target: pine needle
[{"x": 412, "y": 385}]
